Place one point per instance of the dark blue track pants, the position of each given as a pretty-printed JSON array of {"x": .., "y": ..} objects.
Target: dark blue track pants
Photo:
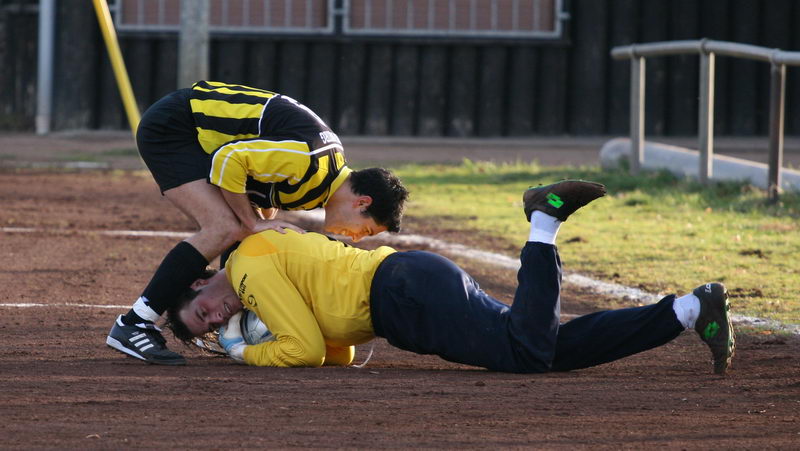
[{"x": 424, "y": 303}]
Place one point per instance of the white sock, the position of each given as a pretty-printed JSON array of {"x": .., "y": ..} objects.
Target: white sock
[
  {"x": 686, "y": 309},
  {"x": 544, "y": 228},
  {"x": 144, "y": 311}
]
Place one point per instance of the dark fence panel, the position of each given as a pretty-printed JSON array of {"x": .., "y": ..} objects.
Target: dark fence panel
[
  {"x": 406, "y": 99},
  {"x": 586, "y": 95},
  {"x": 320, "y": 95},
  {"x": 522, "y": 99},
  {"x": 463, "y": 104},
  {"x": 623, "y": 30},
  {"x": 552, "y": 91},
  {"x": 18, "y": 31},
  {"x": 655, "y": 27},
  {"x": 715, "y": 24},
  {"x": 432, "y": 93},
  {"x": 682, "y": 108},
  {"x": 378, "y": 95},
  {"x": 349, "y": 89},
  {"x": 492, "y": 94},
  {"x": 430, "y": 88},
  {"x": 76, "y": 67}
]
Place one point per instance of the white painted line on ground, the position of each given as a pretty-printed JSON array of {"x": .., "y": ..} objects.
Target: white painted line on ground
[
  {"x": 66, "y": 304},
  {"x": 144, "y": 233},
  {"x": 452, "y": 249},
  {"x": 123, "y": 307},
  {"x": 147, "y": 233}
]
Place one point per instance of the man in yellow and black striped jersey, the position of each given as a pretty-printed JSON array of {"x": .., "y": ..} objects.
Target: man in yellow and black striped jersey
[{"x": 229, "y": 156}]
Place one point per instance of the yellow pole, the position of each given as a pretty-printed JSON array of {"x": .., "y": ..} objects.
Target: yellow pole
[{"x": 117, "y": 63}]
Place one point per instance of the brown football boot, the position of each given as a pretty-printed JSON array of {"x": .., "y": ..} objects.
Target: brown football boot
[
  {"x": 714, "y": 324},
  {"x": 561, "y": 199}
]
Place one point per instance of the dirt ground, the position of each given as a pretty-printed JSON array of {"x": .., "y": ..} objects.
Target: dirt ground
[{"x": 62, "y": 387}]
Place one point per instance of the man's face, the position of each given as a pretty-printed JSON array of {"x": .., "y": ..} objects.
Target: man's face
[
  {"x": 213, "y": 307},
  {"x": 349, "y": 219}
]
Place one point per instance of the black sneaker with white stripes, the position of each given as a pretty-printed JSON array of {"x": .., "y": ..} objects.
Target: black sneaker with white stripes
[{"x": 143, "y": 341}]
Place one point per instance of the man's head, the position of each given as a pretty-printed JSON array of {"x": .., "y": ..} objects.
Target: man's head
[
  {"x": 371, "y": 201},
  {"x": 208, "y": 304}
]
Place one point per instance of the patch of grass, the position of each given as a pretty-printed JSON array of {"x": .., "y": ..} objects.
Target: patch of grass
[
  {"x": 81, "y": 155},
  {"x": 129, "y": 152},
  {"x": 654, "y": 231}
]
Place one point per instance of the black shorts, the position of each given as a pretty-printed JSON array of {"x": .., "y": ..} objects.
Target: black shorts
[{"x": 167, "y": 141}]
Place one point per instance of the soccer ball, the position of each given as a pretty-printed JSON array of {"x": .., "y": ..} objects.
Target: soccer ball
[{"x": 254, "y": 331}]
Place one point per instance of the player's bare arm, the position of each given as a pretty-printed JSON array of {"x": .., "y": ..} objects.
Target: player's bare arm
[{"x": 251, "y": 222}]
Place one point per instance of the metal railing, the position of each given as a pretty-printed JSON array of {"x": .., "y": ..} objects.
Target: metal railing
[{"x": 708, "y": 49}]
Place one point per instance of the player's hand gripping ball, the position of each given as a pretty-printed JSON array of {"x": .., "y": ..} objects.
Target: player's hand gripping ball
[{"x": 254, "y": 331}]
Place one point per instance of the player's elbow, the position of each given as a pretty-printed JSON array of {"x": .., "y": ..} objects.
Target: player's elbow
[
  {"x": 309, "y": 359},
  {"x": 286, "y": 352},
  {"x": 314, "y": 360},
  {"x": 300, "y": 354}
]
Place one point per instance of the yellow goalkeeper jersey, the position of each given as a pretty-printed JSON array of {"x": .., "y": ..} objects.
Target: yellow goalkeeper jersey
[
  {"x": 311, "y": 291},
  {"x": 267, "y": 145}
]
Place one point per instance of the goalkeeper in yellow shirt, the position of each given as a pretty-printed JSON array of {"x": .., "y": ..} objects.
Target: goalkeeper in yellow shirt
[
  {"x": 320, "y": 297},
  {"x": 222, "y": 153}
]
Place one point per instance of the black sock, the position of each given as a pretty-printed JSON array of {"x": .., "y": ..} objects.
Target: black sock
[
  {"x": 182, "y": 266},
  {"x": 132, "y": 318}
]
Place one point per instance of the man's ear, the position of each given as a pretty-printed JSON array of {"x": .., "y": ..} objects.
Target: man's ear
[
  {"x": 363, "y": 201},
  {"x": 197, "y": 284}
]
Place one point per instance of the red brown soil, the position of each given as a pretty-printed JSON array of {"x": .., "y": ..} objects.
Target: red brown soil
[{"x": 62, "y": 387}]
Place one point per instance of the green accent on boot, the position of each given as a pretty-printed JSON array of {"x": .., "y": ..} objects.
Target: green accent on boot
[
  {"x": 711, "y": 330},
  {"x": 554, "y": 200}
]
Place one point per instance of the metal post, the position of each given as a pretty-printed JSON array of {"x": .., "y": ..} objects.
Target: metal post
[
  {"x": 776, "y": 117},
  {"x": 193, "y": 42},
  {"x": 44, "y": 89},
  {"x": 637, "y": 113},
  {"x": 706, "y": 117}
]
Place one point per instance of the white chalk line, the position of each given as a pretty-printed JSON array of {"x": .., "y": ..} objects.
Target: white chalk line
[
  {"x": 452, "y": 249},
  {"x": 63, "y": 304},
  {"x": 143, "y": 233}
]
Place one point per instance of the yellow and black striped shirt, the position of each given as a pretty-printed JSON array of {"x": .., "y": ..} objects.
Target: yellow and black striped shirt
[{"x": 267, "y": 145}]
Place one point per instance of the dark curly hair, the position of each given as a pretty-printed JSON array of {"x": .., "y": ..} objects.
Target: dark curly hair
[
  {"x": 174, "y": 322},
  {"x": 387, "y": 192}
]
